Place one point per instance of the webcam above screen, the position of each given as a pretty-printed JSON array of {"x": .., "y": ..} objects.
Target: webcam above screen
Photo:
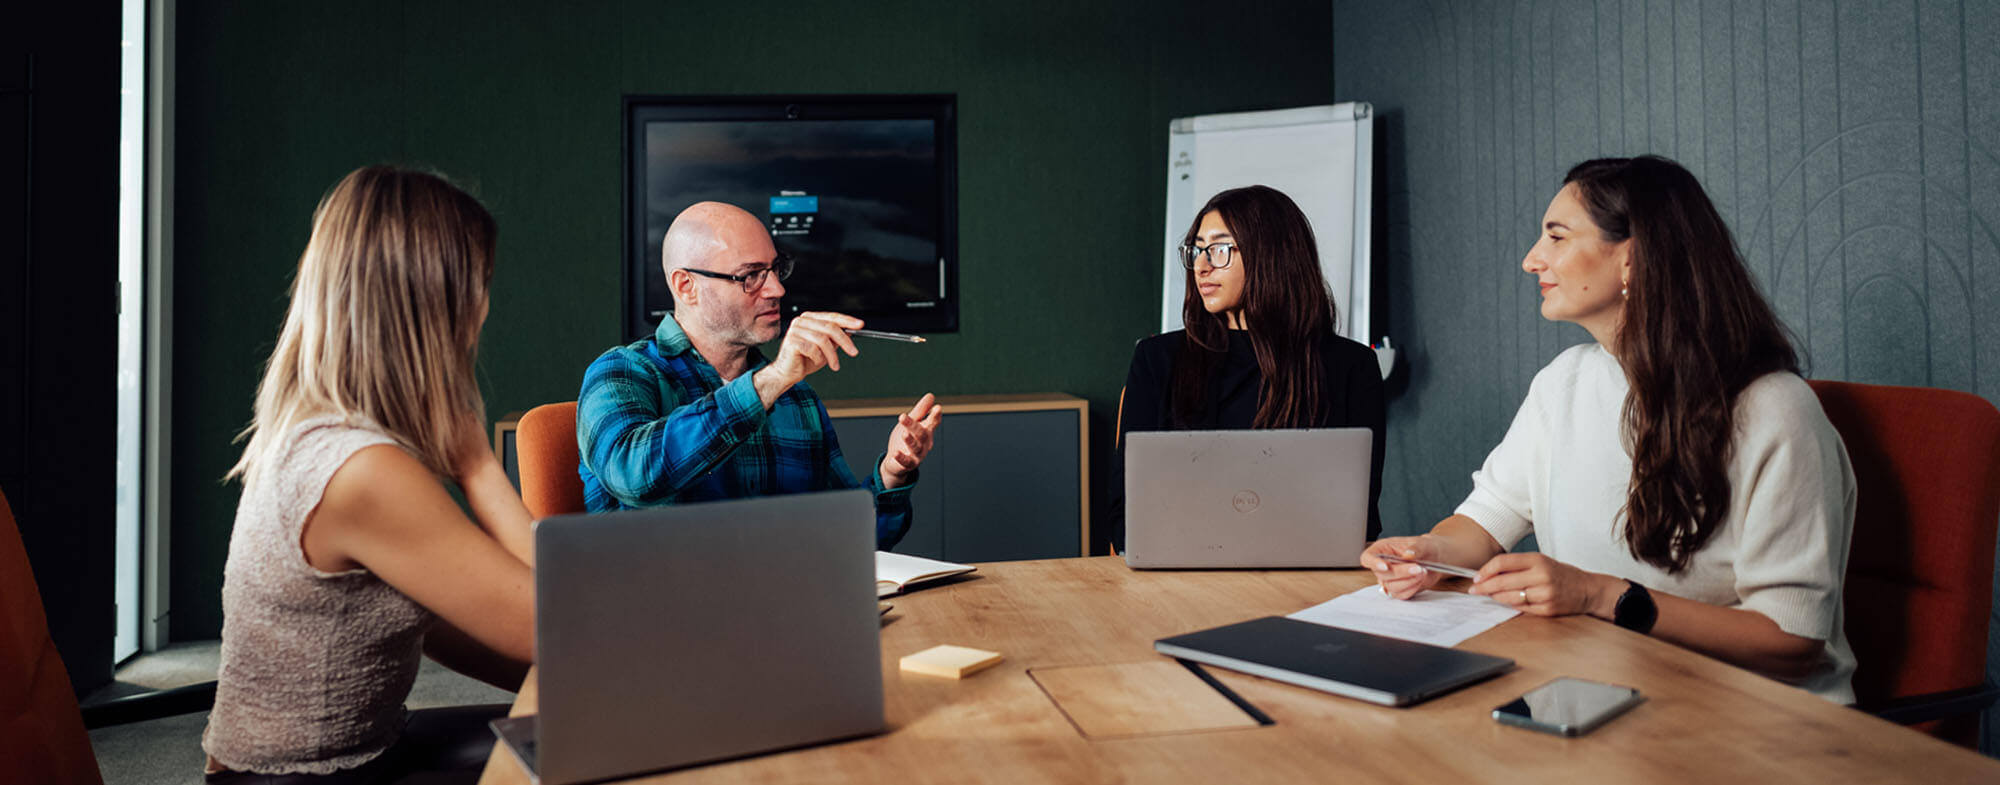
[{"x": 861, "y": 191}]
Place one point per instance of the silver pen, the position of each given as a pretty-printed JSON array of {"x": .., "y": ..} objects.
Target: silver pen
[
  {"x": 887, "y": 336},
  {"x": 1447, "y": 569}
]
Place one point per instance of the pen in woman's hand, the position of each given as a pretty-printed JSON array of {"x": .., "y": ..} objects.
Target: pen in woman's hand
[{"x": 1443, "y": 569}]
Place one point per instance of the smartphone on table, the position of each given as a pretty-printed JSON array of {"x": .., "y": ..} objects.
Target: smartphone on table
[{"x": 1568, "y": 707}]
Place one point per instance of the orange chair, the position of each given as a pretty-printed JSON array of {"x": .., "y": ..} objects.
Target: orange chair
[
  {"x": 545, "y": 441},
  {"x": 42, "y": 739},
  {"x": 1118, "y": 424},
  {"x": 1920, "y": 571}
]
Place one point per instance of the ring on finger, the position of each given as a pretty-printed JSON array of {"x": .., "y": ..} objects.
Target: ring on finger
[{"x": 1524, "y": 596}]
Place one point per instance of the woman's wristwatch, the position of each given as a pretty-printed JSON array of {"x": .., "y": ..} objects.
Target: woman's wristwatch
[{"x": 1635, "y": 610}]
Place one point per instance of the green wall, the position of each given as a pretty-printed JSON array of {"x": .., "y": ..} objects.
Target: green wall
[{"x": 1062, "y": 117}]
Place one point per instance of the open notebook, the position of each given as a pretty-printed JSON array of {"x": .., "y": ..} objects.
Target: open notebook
[{"x": 894, "y": 572}]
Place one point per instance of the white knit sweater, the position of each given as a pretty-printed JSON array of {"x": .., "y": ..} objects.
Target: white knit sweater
[{"x": 1562, "y": 474}]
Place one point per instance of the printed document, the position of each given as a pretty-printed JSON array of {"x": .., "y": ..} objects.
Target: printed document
[{"x": 1439, "y": 618}]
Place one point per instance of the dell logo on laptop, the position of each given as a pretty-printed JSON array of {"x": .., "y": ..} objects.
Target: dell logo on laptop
[
  {"x": 1329, "y": 648},
  {"x": 1245, "y": 501}
]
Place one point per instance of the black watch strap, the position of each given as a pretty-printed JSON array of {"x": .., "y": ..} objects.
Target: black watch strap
[{"x": 1635, "y": 610}]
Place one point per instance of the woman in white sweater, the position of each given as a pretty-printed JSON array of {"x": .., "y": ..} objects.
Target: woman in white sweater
[{"x": 1678, "y": 474}]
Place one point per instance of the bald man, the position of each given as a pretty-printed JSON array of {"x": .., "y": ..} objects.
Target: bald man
[{"x": 695, "y": 413}]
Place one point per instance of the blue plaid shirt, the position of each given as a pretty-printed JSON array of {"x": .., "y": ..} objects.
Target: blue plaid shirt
[{"x": 655, "y": 424}]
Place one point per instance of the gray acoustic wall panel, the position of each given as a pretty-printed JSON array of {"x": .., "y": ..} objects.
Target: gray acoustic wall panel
[
  {"x": 510, "y": 456},
  {"x": 1011, "y": 485},
  {"x": 997, "y": 486},
  {"x": 1854, "y": 147},
  {"x": 862, "y": 440}
]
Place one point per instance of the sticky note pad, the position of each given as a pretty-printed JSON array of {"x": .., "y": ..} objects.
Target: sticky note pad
[{"x": 955, "y": 662}]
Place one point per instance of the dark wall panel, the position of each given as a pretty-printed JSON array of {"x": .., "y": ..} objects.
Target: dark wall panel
[
  {"x": 13, "y": 267},
  {"x": 58, "y": 313},
  {"x": 1854, "y": 147}
]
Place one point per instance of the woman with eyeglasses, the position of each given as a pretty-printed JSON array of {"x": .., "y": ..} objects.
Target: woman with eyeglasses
[
  {"x": 1258, "y": 349},
  {"x": 1679, "y": 477}
]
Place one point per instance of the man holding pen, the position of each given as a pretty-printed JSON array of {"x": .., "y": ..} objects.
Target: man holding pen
[{"x": 696, "y": 413}]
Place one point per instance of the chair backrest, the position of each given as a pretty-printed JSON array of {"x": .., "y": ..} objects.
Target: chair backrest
[
  {"x": 1920, "y": 571},
  {"x": 42, "y": 739},
  {"x": 545, "y": 440},
  {"x": 1118, "y": 425}
]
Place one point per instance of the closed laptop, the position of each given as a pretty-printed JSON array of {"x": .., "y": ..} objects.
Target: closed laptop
[
  {"x": 1247, "y": 499},
  {"x": 1344, "y": 662}
]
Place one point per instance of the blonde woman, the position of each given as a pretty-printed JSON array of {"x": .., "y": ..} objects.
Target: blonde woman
[{"x": 349, "y": 559}]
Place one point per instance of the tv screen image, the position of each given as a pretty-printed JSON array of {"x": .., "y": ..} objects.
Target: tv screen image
[{"x": 857, "y": 192}]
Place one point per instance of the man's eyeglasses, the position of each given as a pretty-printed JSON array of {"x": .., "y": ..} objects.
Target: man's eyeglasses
[
  {"x": 753, "y": 280},
  {"x": 1219, "y": 254}
]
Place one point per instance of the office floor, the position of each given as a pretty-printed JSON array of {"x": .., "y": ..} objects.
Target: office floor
[{"x": 168, "y": 750}]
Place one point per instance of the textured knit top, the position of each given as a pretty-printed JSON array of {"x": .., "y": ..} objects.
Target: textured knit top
[
  {"x": 315, "y": 665},
  {"x": 1562, "y": 474}
]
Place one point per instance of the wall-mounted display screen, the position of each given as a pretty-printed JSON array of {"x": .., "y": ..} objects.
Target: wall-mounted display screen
[{"x": 861, "y": 191}]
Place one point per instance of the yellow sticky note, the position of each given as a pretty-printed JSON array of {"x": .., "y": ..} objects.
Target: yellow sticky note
[{"x": 955, "y": 662}]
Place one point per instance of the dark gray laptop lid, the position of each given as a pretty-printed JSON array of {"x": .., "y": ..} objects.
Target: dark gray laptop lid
[
  {"x": 677, "y": 635},
  {"x": 1345, "y": 662}
]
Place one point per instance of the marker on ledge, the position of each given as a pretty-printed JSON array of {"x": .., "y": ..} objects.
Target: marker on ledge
[{"x": 887, "y": 336}]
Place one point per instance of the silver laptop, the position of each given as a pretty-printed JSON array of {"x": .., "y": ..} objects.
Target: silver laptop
[
  {"x": 678, "y": 635},
  {"x": 1255, "y": 498}
]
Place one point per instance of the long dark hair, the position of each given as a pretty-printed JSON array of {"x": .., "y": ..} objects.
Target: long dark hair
[
  {"x": 1695, "y": 333},
  {"x": 1285, "y": 306}
]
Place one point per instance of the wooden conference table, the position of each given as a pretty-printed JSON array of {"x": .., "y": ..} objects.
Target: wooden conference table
[{"x": 1703, "y": 721}]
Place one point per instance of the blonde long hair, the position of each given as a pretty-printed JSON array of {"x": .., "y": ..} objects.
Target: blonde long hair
[{"x": 385, "y": 317}]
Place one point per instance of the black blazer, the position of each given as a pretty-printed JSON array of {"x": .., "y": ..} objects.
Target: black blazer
[{"x": 1354, "y": 400}]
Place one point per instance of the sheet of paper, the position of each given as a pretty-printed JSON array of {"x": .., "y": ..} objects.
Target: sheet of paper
[{"x": 1439, "y": 618}]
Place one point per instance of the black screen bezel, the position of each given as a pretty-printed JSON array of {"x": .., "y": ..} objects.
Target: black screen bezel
[{"x": 942, "y": 108}]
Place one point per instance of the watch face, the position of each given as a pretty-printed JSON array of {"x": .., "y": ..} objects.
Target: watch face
[{"x": 1635, "y": 610}]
